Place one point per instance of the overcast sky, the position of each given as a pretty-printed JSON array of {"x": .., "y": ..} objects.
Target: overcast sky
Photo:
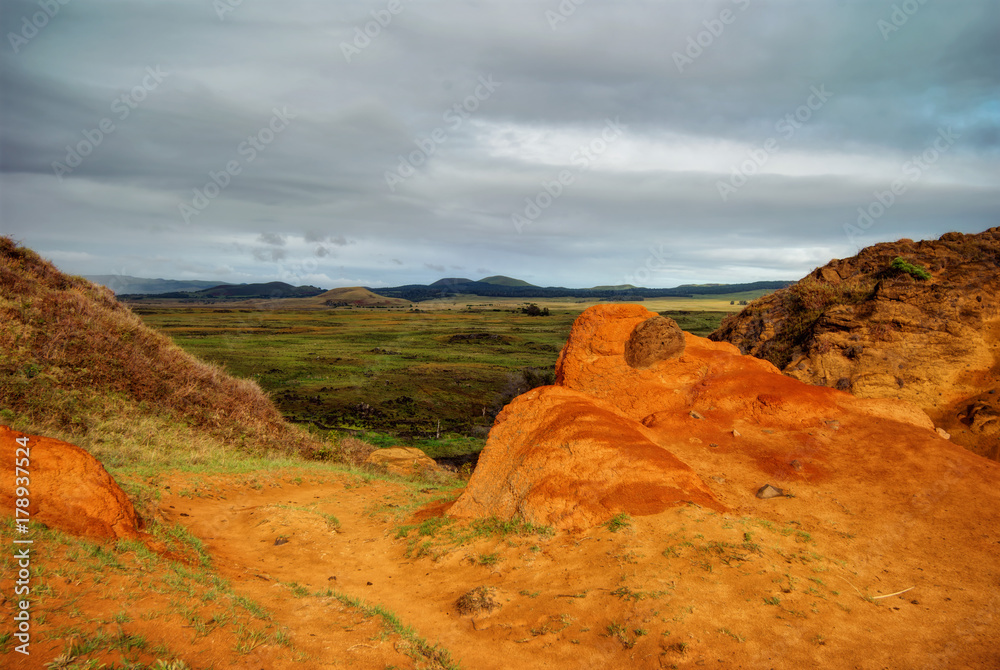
[{"x": 580, "y": 143}]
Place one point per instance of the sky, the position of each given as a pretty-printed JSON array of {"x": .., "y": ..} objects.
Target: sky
[{"x": 567, "y": 143}]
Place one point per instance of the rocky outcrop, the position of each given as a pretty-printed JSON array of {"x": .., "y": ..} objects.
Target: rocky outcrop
[
  {"x": 862, "y": 325},
  {"x": 66, "y": 488},
  {"x": 402, "y": 460},
  {"x": 708, "y": 427}
]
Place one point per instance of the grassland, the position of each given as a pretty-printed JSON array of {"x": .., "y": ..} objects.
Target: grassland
[{"x": 434, "y": 378}]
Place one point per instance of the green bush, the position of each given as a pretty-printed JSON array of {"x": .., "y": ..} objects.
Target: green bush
[{"x": 915, "y": 271}]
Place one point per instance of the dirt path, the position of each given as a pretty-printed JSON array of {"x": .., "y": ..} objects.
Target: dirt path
[{"x": 687, "y": 588}]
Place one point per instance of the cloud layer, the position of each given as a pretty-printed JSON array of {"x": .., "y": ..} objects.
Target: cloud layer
[{"x": 577, "y": 143}]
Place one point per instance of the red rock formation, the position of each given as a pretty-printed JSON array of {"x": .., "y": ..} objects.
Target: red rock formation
[
  {"x": 67, "y": 488},
  {"x": 710, "y": 427},
  {"x": 858, "y": 325}
]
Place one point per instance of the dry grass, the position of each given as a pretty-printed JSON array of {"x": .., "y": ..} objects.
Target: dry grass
[
  {"x": 353, "y": 451},
  {"x": 78, "y": 363}
]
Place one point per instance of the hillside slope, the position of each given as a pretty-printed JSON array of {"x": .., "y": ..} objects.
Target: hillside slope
[
  {"x": 348, "y": 296},
  {"x": 79, "y": 365},
  {"x": 880, "y": 331}
]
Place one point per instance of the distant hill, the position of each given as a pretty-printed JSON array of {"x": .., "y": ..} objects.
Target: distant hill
[
  {"x": 500, "y": 280},
  {"x": 450, "y": 287},
  {"x": 351, "y": 296},
  {"x": 123, "y": 284},
  {"x": 274, "y": 290}
]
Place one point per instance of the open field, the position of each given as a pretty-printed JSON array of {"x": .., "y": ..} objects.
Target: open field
[{"x": 395, "y": 372}]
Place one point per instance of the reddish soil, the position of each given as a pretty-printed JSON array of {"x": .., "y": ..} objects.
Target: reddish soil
[{"x": 771, "y": 584}]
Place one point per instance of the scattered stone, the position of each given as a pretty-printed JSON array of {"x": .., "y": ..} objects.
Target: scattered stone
[
  {"x": 712, "y": 444},
  {"x": 655, "y": 339},
  {"x": 767, "y": 491},
  {"x": 695, "y": 415}
]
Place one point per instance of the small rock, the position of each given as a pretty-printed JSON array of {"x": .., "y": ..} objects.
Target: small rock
[
  {"x": 280, "y": 541},
  {"x": 370, "y": 584},
  {"x": 767, "y": 491},
  {"x": 943, "y": 433},
  {"x": 712, "y": 444},
  {"x": 655, "y": 339},
  {"x": 695, "y": 415},
  {"x": 796, "y": 465},
  {"x": 736, "y": 433}
]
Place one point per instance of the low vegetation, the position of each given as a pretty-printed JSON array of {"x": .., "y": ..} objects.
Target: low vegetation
[
  {"x": 78, "y": 364},
  {"x": 901, "y": 265}
]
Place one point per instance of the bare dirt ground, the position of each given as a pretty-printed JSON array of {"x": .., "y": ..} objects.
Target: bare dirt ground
[
  {"x": 766, "y": 585},
  {"x": 687, "y": 588}
]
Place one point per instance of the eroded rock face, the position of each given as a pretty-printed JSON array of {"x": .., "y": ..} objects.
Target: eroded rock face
[
  {"x": 857, "y": 325},
  {"x": 68, "y": 488},
  {"x": 708, "y": 427}
]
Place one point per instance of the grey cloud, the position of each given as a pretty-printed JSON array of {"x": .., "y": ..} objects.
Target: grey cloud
[{"x": 320, "y": 182}]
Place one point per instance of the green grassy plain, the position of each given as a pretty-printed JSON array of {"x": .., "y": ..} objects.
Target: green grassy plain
[{"x": 393, "y": 375}]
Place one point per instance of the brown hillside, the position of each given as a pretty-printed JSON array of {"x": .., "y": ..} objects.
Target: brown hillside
[
  {"x": 859, "y": 325},
  {"x": 73, "y": 357}
]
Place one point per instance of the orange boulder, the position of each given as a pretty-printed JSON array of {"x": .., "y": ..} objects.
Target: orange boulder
[
  {"x": 702, "y": 424},
  {"x": 555, "y": 457},
  {"x": 67, "y": 488}
]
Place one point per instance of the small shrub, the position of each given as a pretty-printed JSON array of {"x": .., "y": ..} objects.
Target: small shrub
[
  {"x": 619, "y": 522},
  {"x": 900, "y": 265}
]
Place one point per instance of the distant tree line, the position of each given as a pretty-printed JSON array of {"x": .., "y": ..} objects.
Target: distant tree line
[{"x": 421, "y": 292}]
